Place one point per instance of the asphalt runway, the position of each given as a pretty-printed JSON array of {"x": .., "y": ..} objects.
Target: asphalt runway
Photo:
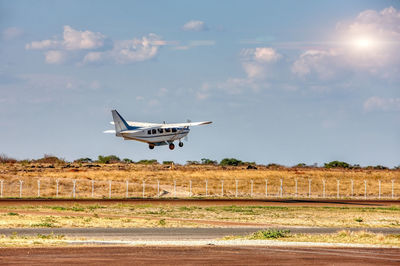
[
  {"x": 208, "y": 202},
  {"x": 175, "y": 233},
  {"x": 204, "y": 255}
]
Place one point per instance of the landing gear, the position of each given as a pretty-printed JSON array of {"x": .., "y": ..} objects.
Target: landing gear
[
  {"x": 151, "y": 146},
  {"x": 171, "y": 146},
  {"x": 180, "y": 144}
]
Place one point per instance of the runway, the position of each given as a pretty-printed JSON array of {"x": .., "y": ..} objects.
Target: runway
[
  {"x": 203, "y": 255},
  {"x": 176, "y": 233},
  {"x": 207, "y": 202}
]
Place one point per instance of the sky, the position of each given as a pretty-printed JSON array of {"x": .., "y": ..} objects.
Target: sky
[{"x": 284, "y": 82}]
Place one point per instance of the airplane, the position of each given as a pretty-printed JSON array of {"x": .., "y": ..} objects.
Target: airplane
[{"x": 151, "y": 133}]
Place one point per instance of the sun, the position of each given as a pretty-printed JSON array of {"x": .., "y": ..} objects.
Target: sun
[{"x": 363, "y": 43}]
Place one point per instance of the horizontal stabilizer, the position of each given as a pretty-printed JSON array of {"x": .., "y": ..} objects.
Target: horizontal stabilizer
[{"x": 112, "y": 131}]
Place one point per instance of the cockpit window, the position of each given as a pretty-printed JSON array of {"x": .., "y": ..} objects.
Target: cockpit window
[
  {"x": 160, "y": 130},
  {"x": 154, "y": 131},
  {"x": 149, "y": 132},
  {"x": 173, "y": 129},
  {"x": 167, "y": 130}
]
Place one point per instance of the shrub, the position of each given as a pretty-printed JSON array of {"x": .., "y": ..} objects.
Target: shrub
[
  {"x": 127, "y": 160},
  {"x": 5, "y": 159},
  {"x": 230, "y": 161},
  {"x": 83, "y": 160},
  {"x": 152, "y": 161},
  {"x": 48, "y": 158},
  {"x": 108, "y": 159},
  {"x": 192, "y": 162},
  {"x": 337, "y": 164},
  {"x": 168, "y": 162},
  {"x": 208, "y": 161},
  {"x": 270, "y": 234}
]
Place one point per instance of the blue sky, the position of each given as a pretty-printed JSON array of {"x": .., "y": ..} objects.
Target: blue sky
[{"x": 283, "y": 81}]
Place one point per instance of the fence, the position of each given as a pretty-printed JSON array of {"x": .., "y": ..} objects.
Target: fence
[{"x": 233, "y": 188}]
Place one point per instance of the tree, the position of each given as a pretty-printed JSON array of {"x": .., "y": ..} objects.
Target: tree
[
  {"x": 337, "y": 164},
  {"x": 231, "y": 162},
  {"x": 108, "y": 159}
]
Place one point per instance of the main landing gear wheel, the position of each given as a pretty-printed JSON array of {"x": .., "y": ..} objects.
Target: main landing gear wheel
[
  {"x": 171, "y": 146},
  {"x": 181, "y": 144},
  {"x": 151, "y": 146}
]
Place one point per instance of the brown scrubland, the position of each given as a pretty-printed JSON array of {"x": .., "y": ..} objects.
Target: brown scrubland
[{"x": 308, "y": 180}]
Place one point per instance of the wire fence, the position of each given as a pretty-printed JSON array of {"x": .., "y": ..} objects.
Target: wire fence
[{"x": 210, "y": 188}]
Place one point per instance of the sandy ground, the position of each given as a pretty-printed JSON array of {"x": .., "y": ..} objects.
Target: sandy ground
[{"x": 203, "y": 255}]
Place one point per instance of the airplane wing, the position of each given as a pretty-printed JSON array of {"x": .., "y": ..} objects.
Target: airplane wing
[
  {"x": 140, "y": 124},
  {"x": 191, "y": 124}
]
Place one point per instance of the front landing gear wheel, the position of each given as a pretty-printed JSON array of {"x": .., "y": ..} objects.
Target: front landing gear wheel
[
  {"x": 171, "y": 146},
  {"x": 151, "y": 146},
  {"x": 180, "y": 144}
]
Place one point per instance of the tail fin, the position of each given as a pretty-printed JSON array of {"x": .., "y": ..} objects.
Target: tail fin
[{"x": 119, "y": 122}]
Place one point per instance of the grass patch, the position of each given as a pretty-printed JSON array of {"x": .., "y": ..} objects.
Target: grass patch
[
  {"x": 269, "y": 234},
  {"x": 12, "y": 214}
]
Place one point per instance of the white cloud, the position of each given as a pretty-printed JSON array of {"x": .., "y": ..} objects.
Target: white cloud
[
  {"x": 72, "y": 40},
  {"x": 266, "y": 55},
  {"x": 195, "y": 25},
  {"x": 77, "y": 40},
  {"x": 55, "y": 57},
  {"x": 368, "y": 43},
  {"x": 128, "y": 51},
  {"x": 12, "y": 33},
  {"x": 256, "y": 62},
  {"x": 382, "y": 104}
]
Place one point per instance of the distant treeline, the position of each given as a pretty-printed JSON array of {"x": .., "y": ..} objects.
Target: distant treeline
[{"x": 110, "y": 159}]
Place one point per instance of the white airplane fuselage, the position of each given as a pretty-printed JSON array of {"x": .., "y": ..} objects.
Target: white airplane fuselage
[{"x": 151, "y": 133}]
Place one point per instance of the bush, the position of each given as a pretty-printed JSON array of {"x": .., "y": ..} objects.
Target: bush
[
  {"x": 47, "y": 158},
  {"x": 168, "y": 162},
  {"x": 380, "y": 167},
  {"x": 231, "y": 162},
  {"x": 208, "y": 161},
  {"x": 127, "y": 160},
  {"x": 270, "y": 234},
  {"x": 337, "y": 164},
  {"x": 192, "y": 162},
  {"x": 152, "y": 161},
  {"x": 108, "y": 159},
  {"x": 83, "y": 160},
  {"x": 5, "y": 159}
]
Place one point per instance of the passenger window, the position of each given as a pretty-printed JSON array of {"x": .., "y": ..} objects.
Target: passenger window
[
  {"x": 149, "y": 132},
  {"x": 173, "y": 129},
  {"x": 167, "y": 130},
  {"x": 160, "y": 130},
  {"x": 154, "y": 131}
]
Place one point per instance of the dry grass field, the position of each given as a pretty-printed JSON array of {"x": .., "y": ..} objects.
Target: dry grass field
[{"x": 198, "y": 176}]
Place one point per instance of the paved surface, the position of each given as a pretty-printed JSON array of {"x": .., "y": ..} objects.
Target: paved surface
[
  {"x": 175, "y": 233},
  {"x": 200, "y": 256},
  {"x": 206, "y": 202}
]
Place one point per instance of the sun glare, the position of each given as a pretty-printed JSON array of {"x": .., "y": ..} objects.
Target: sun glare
[{"x": 363, "y": 43}]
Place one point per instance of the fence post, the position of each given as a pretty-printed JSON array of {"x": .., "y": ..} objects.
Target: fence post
[
  {"x": 158, "y": 188},
  {"x": 338, "y": 189},
  {"x": 251, "y": 188},
  {"x": 323, "y": 188},
  {"x": 174, "y": 188},
  {"x": 309, "y": 188},
  {"x": 222, "y": 188},
  {"x": 190, "y": 188},
  {"x": 266, "y": 188},
  {"x": 127, "y": 189},
  {"x": 92, "y": 188},
  {"x": 206, "y": 188},
  {"x": 1, "y": 188},
  {"x": 73, "y": 188},
  {"x": 379, "y": 184},
  {"x": 236, "y": 193},
  {"x": 365, "y": 189},
  {"x": 392, "y": 188},
  {"x": 38, "y": 189},
  {"x": 57, "y": 188},
  {"x": 352, "y": 188},
  {"x": 144, "y": 185},
  {"x": 295, "y": 184},
  {"x": 281, "y": 190},
  {"x": 109, "y": 189},
  {"x": 20, "y": 188}
]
